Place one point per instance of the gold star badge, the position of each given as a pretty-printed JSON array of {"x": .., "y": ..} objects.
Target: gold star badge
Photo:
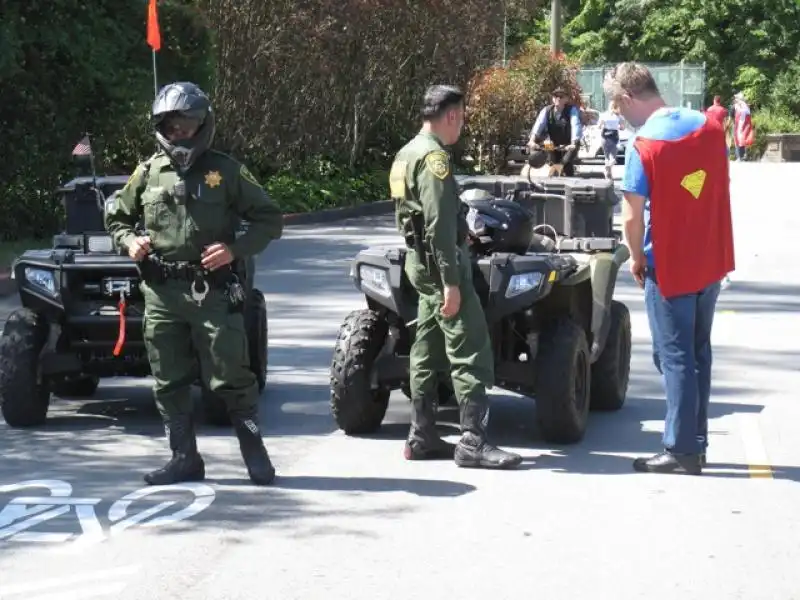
[
  {"x": 213, "y": 179},
  {"x": 693, "y": 183}
]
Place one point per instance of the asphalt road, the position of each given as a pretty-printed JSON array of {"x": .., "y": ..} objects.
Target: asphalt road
[{"x": 350, "y": 519}]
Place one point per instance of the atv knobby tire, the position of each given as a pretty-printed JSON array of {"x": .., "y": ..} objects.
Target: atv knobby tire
[
  {"x": 215, "y": 411},
  {"x": 563, "y": 379},
  {"x": 611, "y": 372},
  {"x": 83, "y": 386},
  {"x": 23, "y": 399},
  {"x": 356, "y": 407}
]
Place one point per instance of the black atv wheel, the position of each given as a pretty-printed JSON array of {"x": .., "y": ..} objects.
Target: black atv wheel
[
  {"x": 23, "y": 399},
  {"x": 83, "y": 386},
  {"x": 356, "y": 407},
  {"x": 446, "y": 394},
  {"x": 257, "y": 327},
  {"x": 611, "y": 372},
  {"x": 563, "y": 379}
]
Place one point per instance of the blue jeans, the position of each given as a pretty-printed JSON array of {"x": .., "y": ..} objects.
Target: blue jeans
[{"x": 681, "y": 332}]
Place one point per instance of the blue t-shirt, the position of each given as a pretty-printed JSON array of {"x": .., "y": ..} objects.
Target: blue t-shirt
[{"x": 664, "y": 124}]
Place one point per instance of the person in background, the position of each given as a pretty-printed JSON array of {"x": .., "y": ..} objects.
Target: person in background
[
  {"x": 677, "y": 224},
  {"x": 610, "y": 123},
  {"x": 561, "y": 122},
  {"x": 717, "y": 112},
  {"x": 743, "y": 130}
]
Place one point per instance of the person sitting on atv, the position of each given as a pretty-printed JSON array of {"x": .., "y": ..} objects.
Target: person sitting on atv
[{"x": 561, "y": 122}]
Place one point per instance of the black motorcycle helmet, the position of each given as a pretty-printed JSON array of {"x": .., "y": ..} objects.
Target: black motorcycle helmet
[
  {"x": 183, "y": 102},
  {"x": 497, "y": 225}
]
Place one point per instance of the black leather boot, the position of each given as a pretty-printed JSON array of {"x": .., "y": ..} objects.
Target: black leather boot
[
  {"x": 255, "y": 455},
  {"x": 186, "y": 463},
  {"x": 423, "y": 441},
  {"x": 473, "y": 450}
]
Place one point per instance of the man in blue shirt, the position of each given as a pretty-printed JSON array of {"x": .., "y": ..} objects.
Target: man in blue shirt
[
  {"x": 680, "y": 321},
  {"x": 561, "y": 122}
]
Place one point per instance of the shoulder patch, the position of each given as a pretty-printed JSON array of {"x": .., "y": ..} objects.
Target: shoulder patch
[
  {"x": 397, "y": 179},
  {"x": 245, "y": 174},
  {"x": 438, "y": 163}
]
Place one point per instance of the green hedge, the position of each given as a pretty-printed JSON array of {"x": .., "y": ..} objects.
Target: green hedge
[
  {"x": 303, "y": 193},
  {"x": 770, "y": 120}
]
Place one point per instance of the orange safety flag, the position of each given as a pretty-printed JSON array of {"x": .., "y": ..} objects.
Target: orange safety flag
[
  {"x": 153, "y": 32},
  {"x": 122, "y": 326}
]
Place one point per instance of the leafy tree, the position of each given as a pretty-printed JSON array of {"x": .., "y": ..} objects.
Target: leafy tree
[{"x": 747, "y": 45}]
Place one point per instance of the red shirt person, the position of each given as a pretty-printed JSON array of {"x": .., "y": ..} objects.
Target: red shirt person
[
  {"x": 717, "y": 112},
  {"x": 677, "y": 224}
]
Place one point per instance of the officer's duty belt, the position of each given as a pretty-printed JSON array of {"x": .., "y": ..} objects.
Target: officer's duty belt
[{"x": 154, "y": 269}]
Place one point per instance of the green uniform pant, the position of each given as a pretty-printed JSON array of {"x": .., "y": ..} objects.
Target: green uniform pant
[
  {"x": 181, "y": 336},
  {"x": 459, "y": 345}
]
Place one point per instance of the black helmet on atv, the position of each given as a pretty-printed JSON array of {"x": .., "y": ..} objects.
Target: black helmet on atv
[
  {"x": 183, "y": 105},
  {"x": 496, "y": 224}
]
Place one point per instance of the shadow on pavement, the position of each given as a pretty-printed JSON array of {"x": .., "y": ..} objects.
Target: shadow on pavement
[
  {"x": 418, "y": 487},
  {"x": 629, "y": 431}
]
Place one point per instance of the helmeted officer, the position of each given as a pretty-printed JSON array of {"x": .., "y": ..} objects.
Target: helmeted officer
[
  {"x": 561, "y": 122},
  {"x": 451, "y": 327},
  {"x": 190, "y": 200}
]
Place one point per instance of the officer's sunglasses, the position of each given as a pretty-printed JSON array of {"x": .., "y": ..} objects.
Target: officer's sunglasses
[{"x": 179, "y": 124}]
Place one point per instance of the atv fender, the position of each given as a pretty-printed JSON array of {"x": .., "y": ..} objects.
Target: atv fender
[
  {"x": 397, "y": 295},
  {"x": 603, "y": 269}
]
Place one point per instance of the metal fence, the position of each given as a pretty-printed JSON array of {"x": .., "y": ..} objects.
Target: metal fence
[{"x": 681, "y": 84}]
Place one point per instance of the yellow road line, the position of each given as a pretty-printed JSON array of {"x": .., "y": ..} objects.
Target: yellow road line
[{"x": 758, "y": 464}]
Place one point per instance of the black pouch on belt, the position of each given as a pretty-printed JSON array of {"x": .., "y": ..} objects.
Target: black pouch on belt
[{"x": 150, "y": 271}]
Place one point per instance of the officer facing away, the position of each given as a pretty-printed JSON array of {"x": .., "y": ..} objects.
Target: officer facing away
[
  {"x": 451, "y": 326},
  {"x": 190, "y": 200},
  {"x": 561, "y": 122}
]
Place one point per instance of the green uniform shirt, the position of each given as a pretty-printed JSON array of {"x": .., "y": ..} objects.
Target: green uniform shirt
[
  {"x": 421, "y": 181},
  {"x": 220, "y": 192}
]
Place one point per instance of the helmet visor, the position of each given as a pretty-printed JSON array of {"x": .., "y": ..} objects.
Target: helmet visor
[{"x": 179, "y": 125}]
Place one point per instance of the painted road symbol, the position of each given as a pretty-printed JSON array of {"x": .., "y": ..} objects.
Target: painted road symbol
[{"x": 23, "y": 513}]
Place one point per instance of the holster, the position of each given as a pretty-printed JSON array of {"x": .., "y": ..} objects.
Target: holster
[{"x": 413, "y": 232}]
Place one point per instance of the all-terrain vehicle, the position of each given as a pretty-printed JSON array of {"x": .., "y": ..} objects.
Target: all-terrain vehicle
[
  {"x": 556, "y": 332},
  {"x": 77, "y": 298}
]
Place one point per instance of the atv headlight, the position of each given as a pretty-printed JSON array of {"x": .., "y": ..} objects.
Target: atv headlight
[
  {"x": 41, "y": 278},
  {"x": 99, "y": 243},
  {"x": 523, "y": 282},
  {"x": 375, "y": 279}
]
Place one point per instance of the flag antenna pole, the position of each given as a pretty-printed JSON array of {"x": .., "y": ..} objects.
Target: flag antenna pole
[
  {"x": 91, "y": 161},
  {"x": 153, "y": 38},
  {"x": 155, "y": 76}
]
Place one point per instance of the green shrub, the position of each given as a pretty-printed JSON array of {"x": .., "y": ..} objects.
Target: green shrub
[
  {"x": 321, "y": 184},
  {"x": 771, "y": 120}
]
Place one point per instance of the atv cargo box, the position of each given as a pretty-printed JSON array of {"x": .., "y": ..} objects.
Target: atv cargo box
[{"x": 575, "y": 207}]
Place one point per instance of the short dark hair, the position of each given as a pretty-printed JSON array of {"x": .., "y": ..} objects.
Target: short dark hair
[
  {"x": 631, "y": 78},
  {"x": 439, "y": 99},
  {"x": 559, "y": 93}
]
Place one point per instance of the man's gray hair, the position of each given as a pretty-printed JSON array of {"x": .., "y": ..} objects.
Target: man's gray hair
[{"x": 631, "y": 78}]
